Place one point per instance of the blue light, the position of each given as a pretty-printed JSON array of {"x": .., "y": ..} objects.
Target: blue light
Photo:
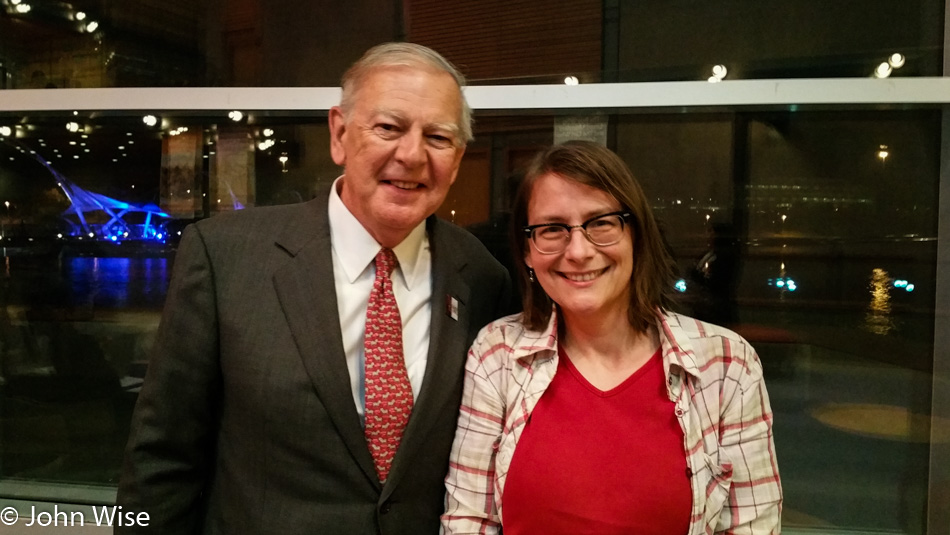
[
  {"x": 113, "y": 238},
  {"x": 910, "y": 288},
  {"x": 680, "y": 285},
  {"x": 784, "y": 283},
  {"x": 158, "y": 236},
  {"x": 900, "y": 283}
]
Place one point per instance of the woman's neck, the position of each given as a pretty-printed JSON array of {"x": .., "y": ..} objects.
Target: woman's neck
[
  {"x": 608, "y": 338},
  {"x": 607, "y": 351}
]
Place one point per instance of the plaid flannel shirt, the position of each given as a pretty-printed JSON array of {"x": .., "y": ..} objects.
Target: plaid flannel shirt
[{"x": 714, "y": 378}]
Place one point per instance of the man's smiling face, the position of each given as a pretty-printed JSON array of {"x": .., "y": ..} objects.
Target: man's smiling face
[{"x": 400, "y": 146}]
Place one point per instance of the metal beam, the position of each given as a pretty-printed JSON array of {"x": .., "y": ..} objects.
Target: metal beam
[{"x": 671, "y": 95}]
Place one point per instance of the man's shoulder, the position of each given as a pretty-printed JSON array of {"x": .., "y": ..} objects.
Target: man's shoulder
[
  {"x": 464, "y": 243},
  {"x": 259, "y": 220}
]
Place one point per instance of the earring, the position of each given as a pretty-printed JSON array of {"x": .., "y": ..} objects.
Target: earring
[{"x": 530, "y": 274}]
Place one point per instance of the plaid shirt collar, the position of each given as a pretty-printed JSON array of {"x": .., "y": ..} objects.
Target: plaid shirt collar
[{"x": 676, "y": 346}]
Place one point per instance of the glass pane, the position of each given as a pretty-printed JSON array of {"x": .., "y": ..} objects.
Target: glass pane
[
  {"x": 820, "y": 248},
  {"x": 825, "y": 221},
  {"x": 91, "y": 209},
  {"x": 685, "y": 40},
  {"x": 147, "y": 43}
]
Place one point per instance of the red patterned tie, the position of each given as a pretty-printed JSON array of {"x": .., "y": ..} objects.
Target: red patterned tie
[{"x": 388, "y": 392}]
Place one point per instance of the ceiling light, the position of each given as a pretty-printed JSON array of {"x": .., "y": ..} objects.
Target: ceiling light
[
  {"x": 883, "y": 70},
  {"x": 92, "y": 26},
  {"x": 80, "y": 15},
  {"x": 896, "y": 60},
  {"x": 718, "y": 73},
  {"x": 571, "y": 80}
]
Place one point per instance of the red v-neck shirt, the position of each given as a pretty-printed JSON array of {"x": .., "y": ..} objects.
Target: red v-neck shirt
[{"x": 600, "y": 462}]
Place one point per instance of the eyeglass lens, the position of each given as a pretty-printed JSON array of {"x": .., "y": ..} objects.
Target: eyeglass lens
[{"x": 602, "y": 231}]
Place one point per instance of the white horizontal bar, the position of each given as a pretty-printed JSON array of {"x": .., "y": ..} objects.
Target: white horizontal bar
[
  {"x": 725, "y": 93},
  {"x": 171, "y": 98},
  {"x": 839, "y": 91}
]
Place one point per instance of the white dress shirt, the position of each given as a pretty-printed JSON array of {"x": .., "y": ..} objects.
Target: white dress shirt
[{"x": 354, "y": 270}]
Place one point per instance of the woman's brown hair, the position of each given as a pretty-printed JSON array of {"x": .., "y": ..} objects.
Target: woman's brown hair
[{"x": 598, "y": 167}]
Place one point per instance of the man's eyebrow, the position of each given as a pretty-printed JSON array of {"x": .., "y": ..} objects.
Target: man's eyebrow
[
  {"x": 449, "y": 127},
  {"x": 389, "y": 114},
  {"x": 399, "y": 117}
]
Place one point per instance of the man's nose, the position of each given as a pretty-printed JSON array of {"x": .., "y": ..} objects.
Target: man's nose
[{"x": 411, "y": 150}]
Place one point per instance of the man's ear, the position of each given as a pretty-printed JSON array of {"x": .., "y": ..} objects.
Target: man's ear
[
  {"x": 459, "y": 153},
  {"x": 337, "y": 132}
]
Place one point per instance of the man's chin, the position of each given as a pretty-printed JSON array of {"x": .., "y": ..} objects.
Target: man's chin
[{"x": 399, "y": 218}]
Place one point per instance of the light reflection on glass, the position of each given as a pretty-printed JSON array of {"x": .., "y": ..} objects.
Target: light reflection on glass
[
  {"x": 878, "y": 319},
  {"x": 117, "y": 282}
]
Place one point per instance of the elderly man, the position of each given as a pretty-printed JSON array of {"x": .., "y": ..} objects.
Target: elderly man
[{"x": 307, "y": 371}]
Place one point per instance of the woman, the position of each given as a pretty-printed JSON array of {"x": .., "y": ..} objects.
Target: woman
[{"x": 597, "y": 410}]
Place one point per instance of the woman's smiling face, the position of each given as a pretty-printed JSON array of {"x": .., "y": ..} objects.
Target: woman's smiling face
[{"x": 584, "y": 279}]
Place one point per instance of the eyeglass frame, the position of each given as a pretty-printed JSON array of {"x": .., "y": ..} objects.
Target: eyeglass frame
[{"x": 624, "y": 216}]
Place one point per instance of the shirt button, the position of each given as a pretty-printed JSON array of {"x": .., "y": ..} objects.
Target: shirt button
[
  {"x": 679, "y": 411},
  {"x": 385, "y": 508}
]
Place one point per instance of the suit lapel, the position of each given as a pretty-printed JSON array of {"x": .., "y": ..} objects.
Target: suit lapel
[
  {"x": 447, "y": 347},
  {"x": 307, "y": 296}
]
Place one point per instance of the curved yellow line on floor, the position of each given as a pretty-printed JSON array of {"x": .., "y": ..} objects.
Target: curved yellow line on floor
[{"x": 882, "y": 421}]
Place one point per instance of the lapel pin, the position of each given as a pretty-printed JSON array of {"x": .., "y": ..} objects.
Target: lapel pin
[{"x": 452, "y": 307}]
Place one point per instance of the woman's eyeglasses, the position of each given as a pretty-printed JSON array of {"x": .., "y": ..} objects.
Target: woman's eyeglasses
[{"x": 603, "y": 230}]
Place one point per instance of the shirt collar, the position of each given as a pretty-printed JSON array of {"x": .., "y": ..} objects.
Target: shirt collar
[
  {"x": 531, "y": 343},
  {"x": 674, "y": 342},
  {"x": 361, "y": 248}
]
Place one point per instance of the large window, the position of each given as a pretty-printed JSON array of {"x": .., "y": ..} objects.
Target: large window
[
  {"x": 825, "y": 222},
  {"x": 805, "y": 200}
]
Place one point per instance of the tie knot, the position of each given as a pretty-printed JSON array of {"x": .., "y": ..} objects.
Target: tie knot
[{"x": 385, "y": 262}]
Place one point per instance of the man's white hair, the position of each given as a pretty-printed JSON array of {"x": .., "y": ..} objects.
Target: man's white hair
[{"x": 404, "y": 54}]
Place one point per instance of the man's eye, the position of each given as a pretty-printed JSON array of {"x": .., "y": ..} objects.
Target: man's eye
[
  {"x": 386, "y": 131},
  {"x": 440, "y": 140}
]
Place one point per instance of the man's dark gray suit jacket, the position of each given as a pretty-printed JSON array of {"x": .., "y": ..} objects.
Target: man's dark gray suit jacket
[{"x": 246, "y": 421}]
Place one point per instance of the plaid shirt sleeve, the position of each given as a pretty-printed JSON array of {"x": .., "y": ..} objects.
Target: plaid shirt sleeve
[
  {"x": 754, "y": 504},
  {"x": 470, "y": 484}
]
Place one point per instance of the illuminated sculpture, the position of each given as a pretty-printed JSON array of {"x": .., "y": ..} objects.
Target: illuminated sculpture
[{"x": 114, "y": 227}]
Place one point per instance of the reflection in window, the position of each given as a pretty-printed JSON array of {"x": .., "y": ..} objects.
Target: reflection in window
[
  {"x": 797, "y": 231},
  {"x": 791, "y": 228}
]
